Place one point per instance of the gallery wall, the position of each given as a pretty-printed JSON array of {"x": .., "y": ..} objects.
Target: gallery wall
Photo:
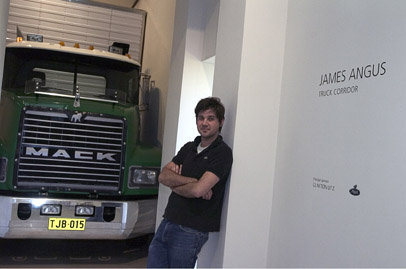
[
  {"x": 249, "y": 62},
  {"x": 340, "y": 174}
]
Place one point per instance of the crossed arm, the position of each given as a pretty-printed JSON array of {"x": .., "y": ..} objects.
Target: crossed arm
[{"x": 187, "y": 186}]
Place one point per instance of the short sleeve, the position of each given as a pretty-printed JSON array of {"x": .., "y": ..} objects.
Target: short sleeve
[{"x": 220, "y": 162}]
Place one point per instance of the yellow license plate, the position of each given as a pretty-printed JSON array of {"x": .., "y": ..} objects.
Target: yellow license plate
[{"x": 66, "y": 224}]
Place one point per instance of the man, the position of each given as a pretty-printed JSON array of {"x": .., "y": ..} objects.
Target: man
[{"x": 197, "y": 176}]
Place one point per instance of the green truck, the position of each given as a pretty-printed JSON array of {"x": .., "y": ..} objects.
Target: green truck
[{"x": 72, "y": 161}]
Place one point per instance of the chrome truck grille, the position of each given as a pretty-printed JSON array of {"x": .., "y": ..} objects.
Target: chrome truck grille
[{"x": 68, "y": 151}]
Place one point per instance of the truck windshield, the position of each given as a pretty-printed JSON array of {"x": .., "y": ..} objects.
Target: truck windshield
[{"x": 61, "y": 73}]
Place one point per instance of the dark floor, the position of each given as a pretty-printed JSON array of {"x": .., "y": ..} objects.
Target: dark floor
[{"x": 73, "y": 253}]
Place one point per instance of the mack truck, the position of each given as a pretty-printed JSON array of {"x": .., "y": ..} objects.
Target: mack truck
[{"x": 72, "y": 163}]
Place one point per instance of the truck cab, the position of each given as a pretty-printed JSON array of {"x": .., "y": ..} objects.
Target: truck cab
[{"x": 72, "y": 164}]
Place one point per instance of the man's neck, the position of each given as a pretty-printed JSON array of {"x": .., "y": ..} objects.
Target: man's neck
[{"x": 205, "y": 142}]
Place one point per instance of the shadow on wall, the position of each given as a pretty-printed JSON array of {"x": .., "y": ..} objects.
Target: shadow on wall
[{"x": 149, "y": 118}]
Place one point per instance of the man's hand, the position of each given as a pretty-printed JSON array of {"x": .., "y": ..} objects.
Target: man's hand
[
  {"x": 176, "y": 168},
  {"x": 208, "y": 195},
  {"x": 171, "y": 177}
]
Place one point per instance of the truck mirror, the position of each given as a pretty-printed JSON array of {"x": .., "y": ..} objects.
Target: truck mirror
[
  {"x": 31, "y": 86},
  {"x": 114, "y": 94}
]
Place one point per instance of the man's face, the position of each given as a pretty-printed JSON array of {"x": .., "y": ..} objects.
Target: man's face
[{"x": 208, "y": 124}]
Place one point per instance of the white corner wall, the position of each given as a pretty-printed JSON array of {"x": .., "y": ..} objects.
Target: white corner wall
[
  {"x": 225, "y": 85},
  {"x": 210, "y": 26},
  {"x": 260, "y": 33}
]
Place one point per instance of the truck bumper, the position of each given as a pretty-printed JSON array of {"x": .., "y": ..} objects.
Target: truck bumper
[{"x": 131, "y": 218}]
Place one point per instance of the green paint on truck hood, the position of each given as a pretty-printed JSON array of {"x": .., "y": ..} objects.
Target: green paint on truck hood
[{"x": 137, "y": 154}]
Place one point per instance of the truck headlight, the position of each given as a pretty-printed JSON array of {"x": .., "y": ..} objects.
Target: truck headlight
[
  {"x": 84, "y": 210},
  {"x": 142, "y": 177},
  {"x": 3, "y": 169},
  {"x": 49, "y": 209}
]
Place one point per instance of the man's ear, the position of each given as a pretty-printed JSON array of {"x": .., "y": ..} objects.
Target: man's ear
[{"x": 222, "y": 123}]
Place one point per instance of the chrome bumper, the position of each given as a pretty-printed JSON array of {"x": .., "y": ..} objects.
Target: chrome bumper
[{"x": 132, "y": 218}]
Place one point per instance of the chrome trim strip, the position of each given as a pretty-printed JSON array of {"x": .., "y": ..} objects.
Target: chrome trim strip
[
  {"x": 104, "y": 119},
  {"x": 48, "y": 113},
  {"x": 67, "y": 160},
  {"x": 71, "y": 96},
  {"x": 69, "y": 147},
  {"x": 64, "y": 178},
  {"x": 73, "y": 135},
  {"x": 70, "y": 129},
  {"x": 74, "y": 123},
  {"x": 62, "y": 184},
  {"x": 64, "y": 172},
  {"x": 71, "y": 141},
  {"x": 67, "y": 166}
]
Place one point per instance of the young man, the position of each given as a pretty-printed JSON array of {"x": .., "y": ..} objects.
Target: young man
[{"x": 197, "y": 176}]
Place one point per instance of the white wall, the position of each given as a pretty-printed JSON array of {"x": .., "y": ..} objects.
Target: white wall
[
  {"x": 257, "y": 92},
  {"x": 328, "y": 144},
  {"x": 211, "y": 17}
]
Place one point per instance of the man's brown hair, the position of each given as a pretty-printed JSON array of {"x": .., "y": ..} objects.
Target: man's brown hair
[{"x": 212, "y": 103}]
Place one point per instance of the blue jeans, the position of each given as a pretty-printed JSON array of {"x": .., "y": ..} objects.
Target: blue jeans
[{"x": 175, "y": 246}]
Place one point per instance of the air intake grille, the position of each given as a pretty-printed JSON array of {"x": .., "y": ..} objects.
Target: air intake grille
[{"x": 60, "y": 150}]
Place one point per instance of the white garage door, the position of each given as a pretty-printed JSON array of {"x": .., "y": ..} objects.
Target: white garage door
[{"x": 84, "y": 22}]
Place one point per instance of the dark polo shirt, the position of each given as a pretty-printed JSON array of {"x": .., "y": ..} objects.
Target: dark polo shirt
[{"x": 197, "y": 213}]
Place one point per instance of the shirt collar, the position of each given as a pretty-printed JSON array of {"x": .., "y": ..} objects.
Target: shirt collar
[{"x": 218, "y": 140}]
